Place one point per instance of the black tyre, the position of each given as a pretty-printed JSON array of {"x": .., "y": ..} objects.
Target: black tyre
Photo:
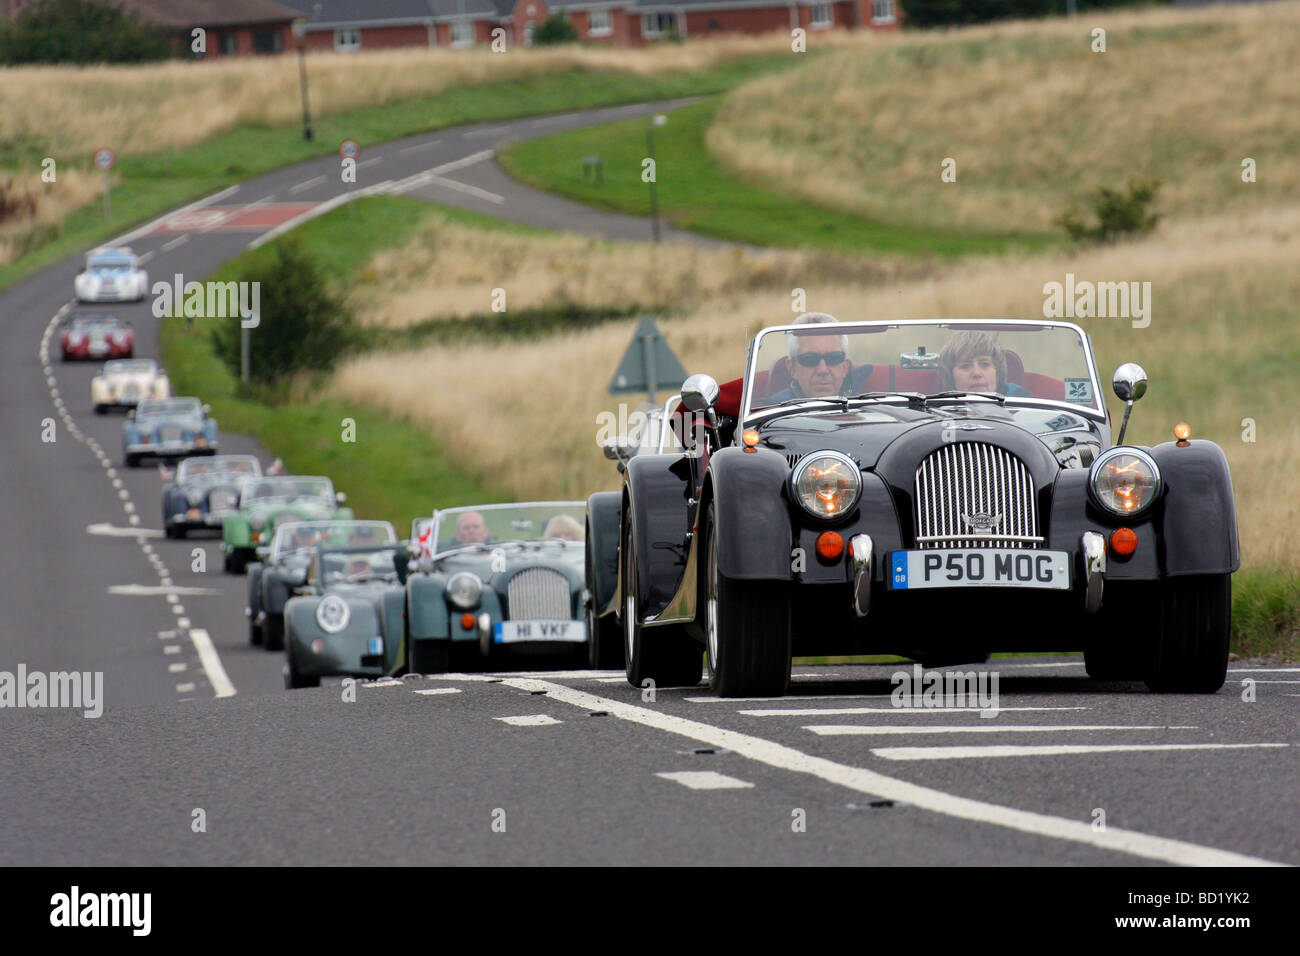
[
  {"x": 254, "y": 632},
  {"x": 236, "y": 562},
  {"x": 604, "y": 636},
  {"x": 428, "y": 657},
  {"x": 100, "y": 410},
  {"x": 293, "y": 679},
  {"x": 666, "y": 655},
  {"x": 273, "y": 632},
  {"x": 747, "y": 629},
  {"x": 1189, "y": 634},
  {"x": 133, "y": 461}
]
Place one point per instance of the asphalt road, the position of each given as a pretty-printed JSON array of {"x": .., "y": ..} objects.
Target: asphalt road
[{"x": 195, "y": 719}]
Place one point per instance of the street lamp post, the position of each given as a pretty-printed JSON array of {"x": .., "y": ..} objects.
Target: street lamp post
[
  {"x": 657, "y": 120},
  {"x": 300, "y": 34}
]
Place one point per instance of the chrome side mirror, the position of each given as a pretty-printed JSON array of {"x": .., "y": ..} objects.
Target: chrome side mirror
[
  {"x": 340, "y": 498},
  {"x": 1130, "y": 384},
  {"x": 207, "y": 409},
  {"x": 700, "y": 393}
]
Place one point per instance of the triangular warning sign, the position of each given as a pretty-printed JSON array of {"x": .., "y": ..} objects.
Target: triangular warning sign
[{"x": 648, "y": 365}]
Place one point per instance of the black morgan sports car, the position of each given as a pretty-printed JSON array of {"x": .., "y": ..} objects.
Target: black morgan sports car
[{"x": 937, "y": 489}]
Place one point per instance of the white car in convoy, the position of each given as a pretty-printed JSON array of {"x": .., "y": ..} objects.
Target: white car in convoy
[
  {"x": 124, "y": 383},
  {"x": 112, "y": 275}
]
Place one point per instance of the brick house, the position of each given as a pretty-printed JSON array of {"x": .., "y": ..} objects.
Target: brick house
[
  {"x": 345, "y": 25},
  {"x": 233, "y": 27}
]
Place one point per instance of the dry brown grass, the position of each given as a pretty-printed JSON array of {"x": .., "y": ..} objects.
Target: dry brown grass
[
  {"x": 140, "y": 109},
  {"x": 1222, "y": 346},
  {"x": 1033, "y": 118},
  {"x": 53, "y": 201},
  {"x": 449, "y": 270}
]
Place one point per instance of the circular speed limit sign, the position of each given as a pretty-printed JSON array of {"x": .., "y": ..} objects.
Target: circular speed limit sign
[
  {"x": 349, "y": 149},
  {"x": 105, "y": 158}
]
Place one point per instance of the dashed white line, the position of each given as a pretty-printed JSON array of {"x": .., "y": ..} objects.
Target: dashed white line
[
  {"x": 894, "y": 711},
  {"x": 1043, "y": 750},
  {"x": 865, "y": 781},
  {"x": 705, "y": 780},
  {"x": 172, "y": 649},
  {"x": 176, "y": 668},
  {"x": 529, "y": 720},
  {"x": 294, "y": 190},
  {"x": 853, "y": 730},
  {"x": 438, "y": 690},
  {"x": 370, "y": 162},
  {"x": 185, "y": 688},
  {"x": 171, "y": 244}
]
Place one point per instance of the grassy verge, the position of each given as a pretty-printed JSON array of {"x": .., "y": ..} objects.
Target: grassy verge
[
  {"x": 695, "y": 193},
  {"x": 148, "y": 185}
]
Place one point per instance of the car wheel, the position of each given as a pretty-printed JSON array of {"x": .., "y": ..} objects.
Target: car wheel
[
  {"x": 132, "y": 461},
  {"x": 665, "y": 655},
  {"x": 1189, "y": 635},
  {"x": 273, "y": 632},
  {"x": 100, "y": 410},
  {"x": 746, "y": 628},
  {"x": 294, "y": 680},
  {"x": 604, "y": 637},
  {"x": 235, "y": 563},
  {"x": 254, "y": 632}
]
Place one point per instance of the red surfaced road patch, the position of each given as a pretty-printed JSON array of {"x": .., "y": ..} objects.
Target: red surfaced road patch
[{"x": 233, "y": 218}]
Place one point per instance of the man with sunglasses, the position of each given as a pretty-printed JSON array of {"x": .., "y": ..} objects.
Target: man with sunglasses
[{"x": 819, "y": 364}]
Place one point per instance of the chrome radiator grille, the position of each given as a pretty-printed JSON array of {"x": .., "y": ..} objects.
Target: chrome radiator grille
[
  {"x": 538, "y": 594},
  {"x": 973, "y": 495}
]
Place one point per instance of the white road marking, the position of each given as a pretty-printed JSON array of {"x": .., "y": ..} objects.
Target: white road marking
[
  {"x": 180, "y": 240},
  {"x": 294, "y": 190},
  {"x": 438, "y": 690},
  {"x": 791, "y": 698},
  {"x": 183, "y": 623},
  {"x": 419, "y": 146},
  {"x": 705, "y": 780},
  {"x": 1276, "y": 670},
  {"x": 477, "y": 678},
  {"x": 208, "y": 657},
  {"x": 529, "y": 720},
  {"x": 383, "y": 683},
  {"x": 853, "y": 730},
  {"x": 171, "y": 649},
  {"x": 1258, "y": 681},
  {"x": 556, "y": 675},
  {"x": 184, "y": 688},
  {"x": 146, "y": 256},
  {"x": 149, "y": 227},
  {"x": 153, "y": 590},
  {"x": 876, "y": 784},
  {"x": 994, "y": 665},
  {"x": 893, "y": 711},
  {"x": 369, "y": 162},
  {"x": 476, "y": 133},
  {"x": 177, "y": 610},
  {"x": 474, "y": 191},
  {"x": 111, "y": 531},
  {"x": 259, "y": 202},
  {"x": 176, "y": 668},
  {"x": 1043, "y": 750}
]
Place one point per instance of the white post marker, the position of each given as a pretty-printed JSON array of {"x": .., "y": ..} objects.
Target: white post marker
[{"x": 105, "y": 159}]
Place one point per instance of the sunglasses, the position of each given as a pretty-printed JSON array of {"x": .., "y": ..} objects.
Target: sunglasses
[{"x": 813, "y": 359}]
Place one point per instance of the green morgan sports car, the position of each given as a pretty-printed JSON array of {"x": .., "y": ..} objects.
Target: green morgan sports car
[
  {"x": 348, "y": 621},
  {"x": 267, "y": 502},
  {"x": 489, "y": 578},
  {"x": 281, "y": 569}
]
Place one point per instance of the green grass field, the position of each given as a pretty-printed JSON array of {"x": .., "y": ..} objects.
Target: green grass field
[
  {"x": 146, "y": 186},
  {"x": 696, "y": 194}
]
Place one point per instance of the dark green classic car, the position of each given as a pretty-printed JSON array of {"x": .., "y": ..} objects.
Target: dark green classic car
[
  {"x": 492, "y": 579},
  {"x": 349, "y": 618}
]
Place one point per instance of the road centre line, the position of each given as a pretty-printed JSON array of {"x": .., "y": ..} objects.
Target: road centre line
[
  {"x": 529, "y": 720},
  {"x": 211, "y": 661},
  {"x": 294, "y": 190},
  {"x": 171, "y": 244},
  {"x": 854, "y": 730},
  {"x": 418, "y": 146},
  {"x": 705, "y": 780},
  {"x": 1043, "y": 750},
  {"x": 438, "y": 690},
  {"x": 892, "y": 711},
  {"x": 869, "y": 782},
  {"x": 370, "y": 162}
]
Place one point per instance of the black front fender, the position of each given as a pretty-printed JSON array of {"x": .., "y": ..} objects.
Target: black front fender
[
  {"x": 658, "y": 501},
  {"x": 1199, "y": 512},
  {"x": 603, "y": 513},
  {"x": 753, "y": 526}
]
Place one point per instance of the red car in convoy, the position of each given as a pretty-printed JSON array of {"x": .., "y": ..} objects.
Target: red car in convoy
[{"x": 97, "y": 337}]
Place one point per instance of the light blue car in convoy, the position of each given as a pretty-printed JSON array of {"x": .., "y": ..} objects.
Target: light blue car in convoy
[{"x": 168, "y": 428}]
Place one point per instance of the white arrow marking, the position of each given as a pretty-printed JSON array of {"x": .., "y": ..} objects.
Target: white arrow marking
[
  {"x": 154, "y": 590},
  {"x": 112, "y": 531}
]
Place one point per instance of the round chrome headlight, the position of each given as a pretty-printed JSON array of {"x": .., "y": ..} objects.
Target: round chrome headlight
[
  {"x": 257, "y": 522},
  {"x": 464, "y": 589},
  {"x": 332, "y": 614},
  {"x": 1124, "y": 481},
  {"x": 827, "y": 484}
]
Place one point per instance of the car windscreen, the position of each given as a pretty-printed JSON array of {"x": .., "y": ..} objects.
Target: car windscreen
[
  {"x": 339, "y": 534},
  {"x": 494, "y": 524},
  {"x": 168, "y": 409},
  {"x": 192, "y": 469},
  {"x": 130, "y": 367},
  {"x": 287, "y": 488},
  {"x": 353, "y": 566},
  {"x": 111, "y": 264},
  {"x": 1029, "y": 361}
]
